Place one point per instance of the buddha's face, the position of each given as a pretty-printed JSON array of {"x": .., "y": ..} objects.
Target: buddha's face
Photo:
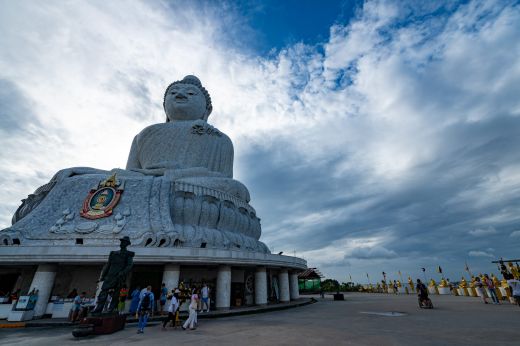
[{"x": 184, "y": 102}]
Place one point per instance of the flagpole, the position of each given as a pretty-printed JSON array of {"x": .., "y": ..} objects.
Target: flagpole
[{"x": 467, "y": 269}]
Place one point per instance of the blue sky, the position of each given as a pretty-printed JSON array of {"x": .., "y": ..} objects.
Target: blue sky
[
  {"x": 373, "y": 136},
  {"x": 278, "y": 24}
]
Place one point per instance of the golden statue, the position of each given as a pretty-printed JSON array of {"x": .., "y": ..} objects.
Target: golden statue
[
  {"x": 464, "y": 285},
  {"x": 513, "y": 270},
  {"x": 497, "y": 286},
  {"x": 410, "y": 283}
]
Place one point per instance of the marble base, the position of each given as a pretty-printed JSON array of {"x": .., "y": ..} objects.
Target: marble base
[
  {"x": 444, "y": 290},
  {"x": 99, "y": 255},
  {"x": 5, "y": 309},
  {"x": 19, "y": 316}
]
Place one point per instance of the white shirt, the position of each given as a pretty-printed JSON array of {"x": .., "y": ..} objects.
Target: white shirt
[
  {"x": 205, "y": 292},
  {"x": 173, "y": 305},
  {"x": 193, "y": 302}
]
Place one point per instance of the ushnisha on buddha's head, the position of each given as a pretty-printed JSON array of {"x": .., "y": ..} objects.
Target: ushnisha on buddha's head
[{"x": 187, "y": 99}]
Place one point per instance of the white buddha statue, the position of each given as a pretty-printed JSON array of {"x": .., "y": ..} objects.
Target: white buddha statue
[
  {"x": 186, "y": 146},
  {"x": 177, "y": 188}
]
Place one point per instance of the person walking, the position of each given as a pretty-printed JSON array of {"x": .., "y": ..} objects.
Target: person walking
[
  {"x": 136, "y": 296},
  {"x": 123, "y": 294},
  {"x": 515, "y": 288},
  {"x": 491, "y": 288},
  {"x": 162, "y": 298},
  {"x": 192, "y": 318},
  {"x": 480, "y": 291},
  {"x": 205, "y": 297},
  {"x": 172, "y": 310},
  {"x": 145, "y": 308},
  {"x": 422, "y": 293}
]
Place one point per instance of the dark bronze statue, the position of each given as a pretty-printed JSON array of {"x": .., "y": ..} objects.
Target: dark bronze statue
[{"x": 114, "y": 275}]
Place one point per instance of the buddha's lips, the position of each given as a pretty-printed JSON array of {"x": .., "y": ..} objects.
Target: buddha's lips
[{"x": 181, "y": 99}]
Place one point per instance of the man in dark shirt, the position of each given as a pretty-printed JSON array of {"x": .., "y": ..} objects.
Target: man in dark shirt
[{"x": 422, "y": 291}]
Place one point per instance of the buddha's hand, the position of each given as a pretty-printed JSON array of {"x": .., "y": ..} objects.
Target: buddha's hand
[{"x": 165, "y": 164}]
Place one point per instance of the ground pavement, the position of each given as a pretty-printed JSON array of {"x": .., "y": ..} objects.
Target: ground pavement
[{"x": 362, "y": 319}]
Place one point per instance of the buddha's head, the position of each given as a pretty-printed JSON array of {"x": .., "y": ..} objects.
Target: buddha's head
[{"x": 187, "y": 99}]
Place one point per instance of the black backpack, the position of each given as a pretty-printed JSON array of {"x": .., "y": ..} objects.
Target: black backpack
[{"x": 145, "y": 304}]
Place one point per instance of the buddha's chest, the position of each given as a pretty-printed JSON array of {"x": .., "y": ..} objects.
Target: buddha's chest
[{"x": 183, "y": 146}]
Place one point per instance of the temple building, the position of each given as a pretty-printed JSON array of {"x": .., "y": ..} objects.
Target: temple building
[{"x": 188, "y": 220}]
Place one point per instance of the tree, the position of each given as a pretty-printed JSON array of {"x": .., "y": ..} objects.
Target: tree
[{"x": 330, "y": 285}]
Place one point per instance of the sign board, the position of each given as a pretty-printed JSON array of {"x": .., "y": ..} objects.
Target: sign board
[{"x": 22, "y": 303}]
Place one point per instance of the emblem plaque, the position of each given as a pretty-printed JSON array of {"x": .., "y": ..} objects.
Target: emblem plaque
[{"x": 101, "y": 200}]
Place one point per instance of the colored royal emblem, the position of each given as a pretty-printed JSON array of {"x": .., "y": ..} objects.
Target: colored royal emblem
[{"x": 101, "y": 200}]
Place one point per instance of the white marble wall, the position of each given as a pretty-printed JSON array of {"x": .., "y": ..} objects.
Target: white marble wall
[
  {"x": 223, "y": 287},
  {"x": 283, "y": 282},
  {"x": 261, "y": 286},
  {"x": 43, "y": 281},
  {"x": 171, "y": 276},
  {"x": 293, "y": 286}
]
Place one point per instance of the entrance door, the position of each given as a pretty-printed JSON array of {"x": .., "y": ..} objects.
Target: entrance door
[
  {"x": 7, "y": 282},
  {"x": 147, "y": 276}
]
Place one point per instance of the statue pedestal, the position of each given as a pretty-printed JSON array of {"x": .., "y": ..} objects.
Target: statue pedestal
[
  {"x": 19, "y": 316},
  {"x": 97, "y": 325},
  {"x": 444, "y": 290},
  {"x": 505, "y": 292}
]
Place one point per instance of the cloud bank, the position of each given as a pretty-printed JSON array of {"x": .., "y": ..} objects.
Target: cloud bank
[{"x": 391, "y": 146}]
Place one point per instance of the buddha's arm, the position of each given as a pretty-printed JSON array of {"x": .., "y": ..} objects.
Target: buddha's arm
[
  {"x": 133, "y": 159},
  {"x": 227, "y": 158}
]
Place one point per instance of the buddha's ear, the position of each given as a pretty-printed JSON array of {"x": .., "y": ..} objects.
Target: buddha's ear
[{"x": 205, "y": 116}]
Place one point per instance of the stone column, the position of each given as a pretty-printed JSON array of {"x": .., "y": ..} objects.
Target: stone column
[
  {"x": 43, "y": 281},
  {"x": 223, "y": 287},
  {"x": 283, "y": 281},
  {"x": 293, "y": 286},
  {"x": 171, "y": 276},
  {"x": 260, "y": 286}
]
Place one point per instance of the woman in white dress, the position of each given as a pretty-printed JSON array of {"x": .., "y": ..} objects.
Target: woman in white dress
[{"x": 192, "y": 319}]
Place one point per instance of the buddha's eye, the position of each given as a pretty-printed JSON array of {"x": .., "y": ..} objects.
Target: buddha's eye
[{"x": 191, "y": 93}]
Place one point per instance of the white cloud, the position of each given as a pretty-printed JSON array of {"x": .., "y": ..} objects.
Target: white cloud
[
  {"x": 515, "y": 234},
  {"x": 475, "y": 253},
  {"x": 372, "y": 252},
  {"x": 482, "y": 232},
  {"x": 394, "y": 103}
]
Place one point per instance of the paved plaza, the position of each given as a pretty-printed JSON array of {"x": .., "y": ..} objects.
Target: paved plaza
[{"x": 362, "y": 319}]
